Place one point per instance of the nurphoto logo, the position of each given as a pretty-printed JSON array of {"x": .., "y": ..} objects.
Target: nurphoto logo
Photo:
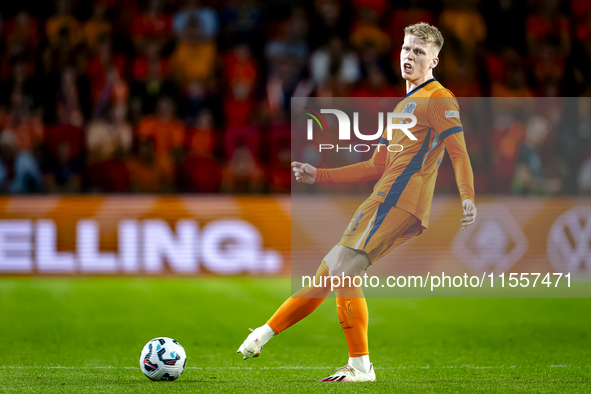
[{"x": 345, "y": 129}]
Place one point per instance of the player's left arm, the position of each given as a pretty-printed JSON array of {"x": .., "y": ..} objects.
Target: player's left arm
[
  {"x": 456, "y": 146},
  {"x": 444, "y": 117}
]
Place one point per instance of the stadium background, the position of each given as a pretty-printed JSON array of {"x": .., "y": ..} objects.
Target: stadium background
[
  {"x": 191, "y": 98},
  {"x": 152, "y": 139}
]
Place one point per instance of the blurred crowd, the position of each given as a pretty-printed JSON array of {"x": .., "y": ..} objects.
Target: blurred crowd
[{"x": 194, "y": 96}]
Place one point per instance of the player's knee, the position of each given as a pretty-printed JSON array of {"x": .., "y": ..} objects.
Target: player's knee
[
  {"x": 322, "y": 270},
  {"x": 320, "y": 285}
]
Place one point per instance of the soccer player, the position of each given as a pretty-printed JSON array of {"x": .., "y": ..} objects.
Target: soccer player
[{"x": 396, "y": 211}]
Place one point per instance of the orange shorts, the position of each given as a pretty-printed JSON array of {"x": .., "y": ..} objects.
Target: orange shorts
[{"x": 377, "y": 229}]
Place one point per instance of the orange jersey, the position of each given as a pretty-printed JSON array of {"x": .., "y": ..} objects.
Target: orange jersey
[{"x": 407, "y": 178}]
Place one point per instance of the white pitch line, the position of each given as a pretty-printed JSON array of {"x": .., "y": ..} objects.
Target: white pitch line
[{"x": 466, "y": 366}]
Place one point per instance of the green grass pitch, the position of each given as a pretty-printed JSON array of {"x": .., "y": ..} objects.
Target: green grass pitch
[{"x": 85, "y": 335}]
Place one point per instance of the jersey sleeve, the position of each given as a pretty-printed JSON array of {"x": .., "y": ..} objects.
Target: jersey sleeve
[
  {"x": 444, "y": 114},
  {"x": 456, "y": 147},
  {"x": 368, "y": 170},
  {"x": 444, "y": 117}
]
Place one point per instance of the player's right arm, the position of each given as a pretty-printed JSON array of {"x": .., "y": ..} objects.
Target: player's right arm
[
  {"x": 304, "y": 172},
  {"x": 368, "y": 170}
]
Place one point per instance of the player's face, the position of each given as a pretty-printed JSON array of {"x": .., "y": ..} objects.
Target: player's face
[{"x": 417, "y": 58}]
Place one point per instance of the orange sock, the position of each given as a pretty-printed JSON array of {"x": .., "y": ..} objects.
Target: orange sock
[
  {"x": 353, "y": 316},
  {"x": 301, "y": 304}
]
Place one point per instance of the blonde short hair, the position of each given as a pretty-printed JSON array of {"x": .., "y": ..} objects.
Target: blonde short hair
[{"x": 426, "y": 32}]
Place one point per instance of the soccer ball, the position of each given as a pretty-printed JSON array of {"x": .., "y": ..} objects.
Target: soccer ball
[{"x": 163, "y": 359}]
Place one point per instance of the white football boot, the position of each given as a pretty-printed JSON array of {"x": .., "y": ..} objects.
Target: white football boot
[
  {"x": 253, "y": 344},
  {"x": 350, "y": 374}
]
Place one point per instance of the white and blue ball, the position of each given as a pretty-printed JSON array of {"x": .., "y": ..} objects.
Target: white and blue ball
[{"x": 163, "y": 359}]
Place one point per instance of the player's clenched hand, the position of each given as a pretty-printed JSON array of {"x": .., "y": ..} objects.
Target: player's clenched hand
[
  {"x": 304, "y": 172},
  {"x": 469, "y": 212}
]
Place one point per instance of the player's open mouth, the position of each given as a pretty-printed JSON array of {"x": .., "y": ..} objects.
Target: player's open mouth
[{"x": 407, "y": 67}]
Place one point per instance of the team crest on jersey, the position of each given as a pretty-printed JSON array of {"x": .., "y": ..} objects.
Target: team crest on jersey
[{"x": 409, "y": 108}]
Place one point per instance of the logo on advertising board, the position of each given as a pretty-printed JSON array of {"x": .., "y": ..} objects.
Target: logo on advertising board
[
  {"x": 569, "y": 242},
  {"x": 495, "y": 243},
  {"x": 226, "y": 246}
]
